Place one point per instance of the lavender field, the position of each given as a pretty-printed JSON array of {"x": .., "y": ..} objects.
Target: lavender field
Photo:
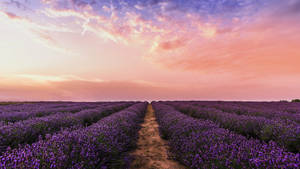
[
  {"x": 231, "y": 134},
  {"x": 193, "y": 134},
  {"x": 125, "y": 84}
]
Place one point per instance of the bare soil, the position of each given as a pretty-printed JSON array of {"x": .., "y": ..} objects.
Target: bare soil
[{"x": 151, "y": 152}]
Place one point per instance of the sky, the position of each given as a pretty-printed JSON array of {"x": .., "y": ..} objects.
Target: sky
[{"x": 93, "y": 50}]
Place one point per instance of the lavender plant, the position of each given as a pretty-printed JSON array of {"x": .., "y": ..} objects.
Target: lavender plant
[
  {"x": 285, "y": 134},
  {"x": 101, "y": 145},
  {"x": 201, "y": 143},
  {"x": 29, "y": 131}
]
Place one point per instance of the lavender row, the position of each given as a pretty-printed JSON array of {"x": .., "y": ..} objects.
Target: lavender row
[
  {"x": 41, "y": 111},
  {"x": 201, "y": 143},
  {"x": 101, "y": 145},
  {"x": 28, "y": 131},
  {"x": 285, "y": 134},
  {"x": 23, "y": 107},
  {"x": 26, "y": 106},
  {"x": 253, "y": 109},
  {"x": 287, "y": 107}
]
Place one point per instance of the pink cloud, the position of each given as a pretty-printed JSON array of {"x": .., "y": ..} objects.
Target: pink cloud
[
  {"x": 11, "y": 15},
  {"x": 87, "y": 90},
  {"x": 40, "y": 33},
  {"x": 265, "y": 47},
  {"x": 257, "y": 59},
  {"x": 169, "y": 45},
  {"x": 74, "y": 89},
  {"x": 254, "y": 49}
]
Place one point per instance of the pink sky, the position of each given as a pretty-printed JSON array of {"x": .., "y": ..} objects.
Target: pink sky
[{"x": 88, "y": 53}]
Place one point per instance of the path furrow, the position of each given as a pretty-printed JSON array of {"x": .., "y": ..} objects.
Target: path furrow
[{"x": 151, "y": 152}]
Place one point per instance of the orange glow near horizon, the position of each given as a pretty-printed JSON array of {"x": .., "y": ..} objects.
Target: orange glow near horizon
[{"x": 51, "y": 50}]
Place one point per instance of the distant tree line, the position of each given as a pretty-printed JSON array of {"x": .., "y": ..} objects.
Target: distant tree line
[{"x": 295, "y": 100}]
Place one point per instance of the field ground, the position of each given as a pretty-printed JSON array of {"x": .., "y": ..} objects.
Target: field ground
[
  {"x": 160, "y": 135},
  {"x": 151, "y": 152}
]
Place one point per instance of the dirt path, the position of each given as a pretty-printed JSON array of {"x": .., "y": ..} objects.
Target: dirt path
[{"x": 151, "y": 152}]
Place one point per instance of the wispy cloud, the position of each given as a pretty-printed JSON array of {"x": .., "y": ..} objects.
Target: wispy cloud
[
  {"x": 30, "y": 24},
  {"x": 243, "y": 48},
  {"x": 11, "y": 15},
  {"x": 249, "y": 40},
  {"x": 180, "y": 39},
  {"x": 80, "y": 89},
  {"x": 52, "y": 78},
  {"x": 20, "y": 5},
  {"x": 70, "y": 87},
  {"x": 41, "y": 33},
  {"x": 46, "y": 40}
]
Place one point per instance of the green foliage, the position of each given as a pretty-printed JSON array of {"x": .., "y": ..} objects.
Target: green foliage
[
  {"x": 283, "y": 101},
  {"x": 267, "y": 133},
  {"x": 7, "y": 103},
  {"x": 296, "y": 100}
]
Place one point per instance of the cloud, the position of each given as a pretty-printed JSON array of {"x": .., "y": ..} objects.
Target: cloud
[
  {"x": 49, "y": 78},
  {"x": 139, "y": 7},
  {"x": 99, "y": 25},
  {"x": 10, "y": 15},
  {"x": 169, "y": 45},
  {"x": 30, "y": 24},
  {"x": 40, "y": 33},
  {"x": 287, "y": 8},
  {"x": 241, "y": 39},
  {"x": 38, "y": 87},
  {"x": 17, "y": 4},
  {"x": 46, "y": 40},
  {"x": 120, "y": 30},
  {"x": 69, "y": 4},
  {"x": 252, "y": 44},
  {"x": 255, "y": 47}
]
